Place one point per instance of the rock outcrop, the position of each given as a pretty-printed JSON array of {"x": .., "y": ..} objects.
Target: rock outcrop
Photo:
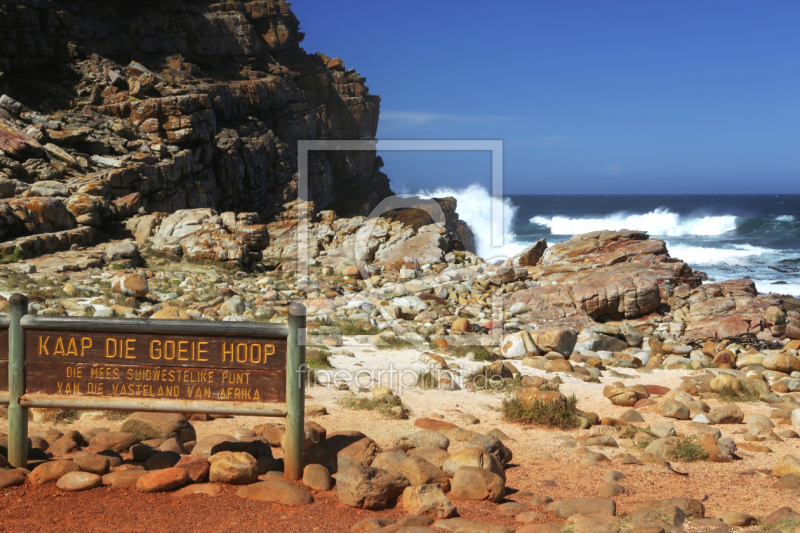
[{"x": 112, "y": 109}]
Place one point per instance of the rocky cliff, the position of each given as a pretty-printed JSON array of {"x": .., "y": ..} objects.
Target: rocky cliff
[{"x": 110, "y": 109}]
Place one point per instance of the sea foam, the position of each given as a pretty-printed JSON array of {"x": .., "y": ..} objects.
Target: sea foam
[
  {"x": 475, "y": 206},
  {"x": 660, "y": 222},
  {"x": 738, "y": 255}
]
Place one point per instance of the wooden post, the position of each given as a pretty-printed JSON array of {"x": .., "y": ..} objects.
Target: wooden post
[
  {"x": 295, "y": 393},
  {"x": 17, "y": 415}
]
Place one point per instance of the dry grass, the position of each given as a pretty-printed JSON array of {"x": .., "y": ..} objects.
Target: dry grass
[
  {"x": 687, "y": 451},
  {"x": 740, "y": 393},
  {"x": 563, "y": 415},
  {"x": 384, "y": 406}
]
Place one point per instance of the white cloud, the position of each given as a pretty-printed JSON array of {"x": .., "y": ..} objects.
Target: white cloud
[
  {"x": 416, "y": 118},
  {"x": 613, "y": 169}
]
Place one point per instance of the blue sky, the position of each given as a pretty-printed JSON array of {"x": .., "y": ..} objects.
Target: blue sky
[{"x": 588, "y": 96}]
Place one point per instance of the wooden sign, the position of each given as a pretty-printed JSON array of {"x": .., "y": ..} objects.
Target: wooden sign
[
  {"x": 140, "y": 363},
  {"x": 229, "y": 368}
]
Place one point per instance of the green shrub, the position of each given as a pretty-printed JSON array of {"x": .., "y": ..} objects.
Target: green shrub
[
  {"x": 481, "y": 353},
  {"x": 688, "y": 451},
  {"x": 14, "y": 257},
  {"x": 383, "y": 405},
  {"x": 318, "y": 358},
  {"x": 563, "y": 415},
  {"x": 742, "y": 393},
  {"x": 66, "y": 417},
  {"x": 350, "y": 328},
  {"x": 786, "y": 525},
  {"x": 427, "y": 380},
  {"x": 392, "y": 342}
]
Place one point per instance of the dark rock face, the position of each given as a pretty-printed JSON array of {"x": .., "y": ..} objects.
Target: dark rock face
[{"x": 188, "y": 104}]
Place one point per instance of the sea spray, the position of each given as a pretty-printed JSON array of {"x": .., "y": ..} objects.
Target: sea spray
[
  {"x": 736, "y": 255},
  {"x": 660, "y": 222},
  {"x": 474, "y": 206}
]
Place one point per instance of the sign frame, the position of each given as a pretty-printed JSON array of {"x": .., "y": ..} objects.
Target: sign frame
[
  {"x": 4, "y": 393},
  {"x": 19, "y": 400}
]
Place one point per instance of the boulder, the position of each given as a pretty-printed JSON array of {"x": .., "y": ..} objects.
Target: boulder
[
  {"x": 123, "y": 478},
  {"x": 583, "y": 506},
  {"x": 92, "y": 462},
  {"x": 789, "y": 464},
  {"x": 473, "y": 457},
  {"x": 677, "y": 410},
  {"x": 473, "y": 483},
  {"x": 159, "y": 426},
  {"x": 418, "y": 471},
  {"x": 233, "y": 468},
  {"x": 161, "y": 460},
  {"x": 10, "y": 478},
  {"x": 342, "y": 451},
  {"x": 369, "y": 488},
  {"x": 427, "y": 500},
  {"x": 70, "y": 442},
  {"x": 393, "y": 459},
  {"x": 555, "y": 340},
  {"x": 79, "y": 481},
  {"x": 211, "y": 444},
  {"x": 492, "y": 445},
  {"x": 517, "y": 345},
  {"x": 132, "y": 285},
  {"x": 691, "y": 507},
  {"x": 435, "y": 456},
  {"x": 52, "y": 471},
  {"x": 728, "y": 414},
  {"x": 162, "y": 480},
  {"x": 317, "y": 477},
  {"x": 117, "y": 441},
  {"x": 197, "y": 467},
  {"x": 276, "y": 490},
  {"x": 423, "y": 439}
]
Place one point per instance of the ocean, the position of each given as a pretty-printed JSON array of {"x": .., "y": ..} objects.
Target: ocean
[{"x": 725, "y": 236}]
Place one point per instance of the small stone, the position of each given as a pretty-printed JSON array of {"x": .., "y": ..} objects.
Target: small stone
[
  {"x": 123, "y": 478},
  {"x": 92, "y": 462},
  {"x": 317, "y": 477},
  {"x": 52, "y": 471},
  {"x": 208, "y": 489},
  {"x": 79, "y": 481},
  {"x": 737, "y": 519},
  {"x": 527, "y": 517},
  {"x": 788, "y": 482},
  {"x": 10, "y": 478},
  {"x": 613, "y": 476},
  {"x": 233, "y": 468},
  {"x": 609, "y": 490},
  {"x": 541, "y": 500},
  {"x": 728, "y": 414},
  {"x": 371, "y": 523},
  {"x": 162, "y": 480},
  {"x": 130, "y": 285},
  {"x": 196, "y": 467},
  {"x": 276, "y": 490},
  {"x": 789, "y": 464}
]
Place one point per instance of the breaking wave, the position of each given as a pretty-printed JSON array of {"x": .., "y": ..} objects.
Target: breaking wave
[
  {"x": 738, "y": 255},
  {"x": 660, "y": 222},
  {"x": 475, "y": 207}
]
